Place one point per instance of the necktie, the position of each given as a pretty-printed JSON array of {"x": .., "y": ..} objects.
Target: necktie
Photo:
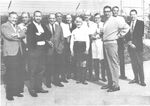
[
  {"x": 88, "y": 24},
  {"x": 53, "y": 31},
  {"x": 97, "y": 25},
  {"x": 132, "y": 27}
]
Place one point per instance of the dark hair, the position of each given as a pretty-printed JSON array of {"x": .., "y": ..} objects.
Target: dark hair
[
  {"x": 133, "y": 10},
  {"x": 107, "y": 7},
  {"x": 25, "y": 13},
  {"x": 12, "y": 13},
  {"x": 58, "y": 13},
  {"x": 97, "y": 14},
  {"x": 37, "y": 11},
  {"x": 115, "y": 7}
]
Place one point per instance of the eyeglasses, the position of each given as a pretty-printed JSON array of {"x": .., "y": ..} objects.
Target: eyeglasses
[{"x": 107, "y": 11}]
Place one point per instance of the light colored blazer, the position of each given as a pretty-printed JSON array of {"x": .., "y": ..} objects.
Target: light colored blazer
[
  {"x": 11, "y": 45},
  {"x": 57, "y": 39}
]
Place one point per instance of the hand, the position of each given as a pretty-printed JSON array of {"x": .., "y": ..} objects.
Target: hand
[
  {"x": 72, "y": 54},
  {"x": 86, "y": 52},
  {"x": 38, "y": 33},
  {"x": 131, "y": 44},
  {"x": 51, "y": 43}
]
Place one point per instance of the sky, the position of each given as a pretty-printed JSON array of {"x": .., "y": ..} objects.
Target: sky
[{"x": 69, "y": 6}]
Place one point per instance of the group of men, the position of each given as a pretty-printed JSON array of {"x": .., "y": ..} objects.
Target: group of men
[{"x": 57, "y": 51}]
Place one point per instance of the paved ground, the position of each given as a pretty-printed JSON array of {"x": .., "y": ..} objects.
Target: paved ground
[{"x": 88, "y": 95}]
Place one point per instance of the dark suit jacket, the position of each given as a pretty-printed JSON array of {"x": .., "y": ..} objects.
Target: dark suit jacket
[
  {"x": 137, "y": 36},
  {"x": 32, "y": 38},
  {"x": 57, "y": 39},
  {"x": 73, "y": 27}
]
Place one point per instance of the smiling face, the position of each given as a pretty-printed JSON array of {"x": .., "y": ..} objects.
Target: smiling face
[
  {"x": 97, "y": 18},
  {"x": 115, "y": 11},
  {"x": 78, "y": 22},
  {"x": 68, "y": 19},
  {"x": 52, "y": 18},
  {"x": 59, "y": 17},
  {"x": 107, "y": 12},
  {"x": 133, "y": 15},
  {"x": 13, "y": 18},
  {"x": 25, "y": 18},
  {"x": 37, "y": 17}
]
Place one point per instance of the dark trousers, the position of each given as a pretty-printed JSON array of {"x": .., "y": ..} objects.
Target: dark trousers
[
  {"x": 14, "y": 76},
  {"x": 58, "y": 67},
  {"x": 37, "y": 59},
  {"x": 121, "y": 56},
  {"x": 49, "y": 68},
  {"x": 89, "y": 63},
  {"x": 67, "y": 57},
  {"x": 81, "y": 60},
  {"x": 137, "y": 64},
  {"x": 103, "y": 69}
]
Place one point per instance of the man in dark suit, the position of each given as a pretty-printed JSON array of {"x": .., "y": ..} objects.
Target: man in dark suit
[
  {"x": 12, "y": 51},
  {"x": 71, "y": 64},
  {"x": 54, "y": 59},
  {"x": 37, "y": 36},
  {"x": 135, "y": 48}
]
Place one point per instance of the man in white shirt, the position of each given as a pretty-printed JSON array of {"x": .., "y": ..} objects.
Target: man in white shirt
[
  {"x": 79, "y": 46},
  {"x": 91, "y": 30},
  {"x": 114, "y": 28}
]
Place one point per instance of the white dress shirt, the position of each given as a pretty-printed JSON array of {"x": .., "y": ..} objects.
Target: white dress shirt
[
  {"x": 80, "y": 34},
  {"x": 40, "y": 31},
  {"x": 65, "y": 29}
]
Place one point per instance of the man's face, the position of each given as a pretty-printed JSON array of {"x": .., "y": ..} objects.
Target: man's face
[
  {"x": 133, "y": 15},
  {"x": 25, "y": 18},
  {"x": 68, "y": 19},
  {"x": 13, "y": 18},
  {"x": 38, "y": 17},
  {"x": 97, "y": 18},
  {"x": 59, "y": 17},
  {"x": 52, "y": 18},
  {"x": 78, "y": 22},
  {"x": 107, "y": 12},
  {"x": 115, "y": 12},
  {"x": 87, "y": 17}
]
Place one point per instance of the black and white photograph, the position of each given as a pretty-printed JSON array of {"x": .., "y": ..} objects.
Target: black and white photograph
[{"x": 75, "y": 52}]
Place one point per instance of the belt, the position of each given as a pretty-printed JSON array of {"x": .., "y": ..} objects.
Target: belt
[{"x": 110, "y": 41}]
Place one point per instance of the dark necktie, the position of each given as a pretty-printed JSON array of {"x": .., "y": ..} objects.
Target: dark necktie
[
  {"x": 53, "y": 31},
  {"x": 88, "y": 24}
]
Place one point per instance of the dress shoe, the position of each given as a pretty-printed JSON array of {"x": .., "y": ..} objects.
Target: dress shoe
[
  {"x": 104, "y": 79},
  {"x": 10, "y": 98},
  {"x": 33, "y": 93},
  {"x": 133, "y": 81},
  {"x": 143, "y": 84},
  {"x": 41, "y": 91},
  {"x": 78, "y": 82},
  {"x": 123, "y": 77},
  {"x": 48, "y": 85},
  {"x": 113, "y": 89},
  {"x": 58, "y": 84},
  {"x": 64, "y": 80},
  {"x": 85, "y": 83},
  {"x": 105, "y": 87},
  {"x": 18, "y": 95}
]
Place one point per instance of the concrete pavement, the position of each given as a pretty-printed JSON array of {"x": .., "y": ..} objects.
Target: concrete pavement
[{"x": 88, "y": 95}]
